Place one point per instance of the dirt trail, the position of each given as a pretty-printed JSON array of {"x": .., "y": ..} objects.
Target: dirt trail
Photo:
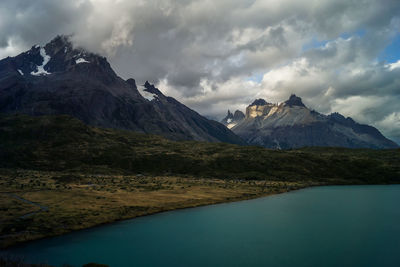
[{"x": 42, "y": 208}]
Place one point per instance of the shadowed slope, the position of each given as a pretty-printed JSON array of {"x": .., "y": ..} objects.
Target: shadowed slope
[
  {"x": 63, "y": 143},
  {"x": 61, "y": 79}
]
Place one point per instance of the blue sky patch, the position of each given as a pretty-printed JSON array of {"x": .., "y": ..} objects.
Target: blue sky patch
[{"x": 392, "y": 52}]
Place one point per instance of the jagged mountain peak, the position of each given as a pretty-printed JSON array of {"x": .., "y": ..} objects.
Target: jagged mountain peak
[
  {"x": 238, "y": 115},
  {"x": 231, "y": 120},
  {"x": 60, "y": 45},
  {"x": 64, "y": 45},
  {"x": 59, "y": 78},
  {"x": 228, "y": 118},
  {"x": 294, "y": 101},
  {"x": 150, "y": 92},
  {"x": 151, "y": 88},
  {"x": 288, "y": 126},
  {"x": 61, "y": 41},
  {"x": 259, "y": 102},
  {"x": 59, "y": 56}
]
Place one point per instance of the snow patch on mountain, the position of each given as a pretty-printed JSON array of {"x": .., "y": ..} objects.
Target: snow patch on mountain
[
  {"x": 20, "y": 72},
  {"x": 81, "y": 60},
  {"x": 40, "y": 69},
  {"x": 145, "y": 94}
]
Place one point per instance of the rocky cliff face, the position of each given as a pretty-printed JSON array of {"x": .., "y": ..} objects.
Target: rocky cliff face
[
  {"x": 232, "y": 119},
  {"x": 60, "y": 79},
  {"x": 291, "y": 125}
]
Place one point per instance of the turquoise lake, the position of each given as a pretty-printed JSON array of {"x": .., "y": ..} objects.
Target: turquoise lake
[{"x": 321, "y": 226}]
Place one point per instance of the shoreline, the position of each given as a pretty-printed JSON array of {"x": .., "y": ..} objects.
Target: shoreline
[
  {"x": 187, "y": 193},
  {"x": 195, "y": 205}
]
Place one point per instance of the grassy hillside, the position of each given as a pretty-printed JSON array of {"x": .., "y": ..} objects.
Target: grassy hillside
[
  {"x": 62, "y": 143},
  {"x": 58, "y": 175}
]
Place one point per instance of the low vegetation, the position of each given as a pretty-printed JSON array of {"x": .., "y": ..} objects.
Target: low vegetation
[
  {"x": 71, "y": 201},
  {"x": 61, "y": 143},
  {"x": 58, "y": 175}
]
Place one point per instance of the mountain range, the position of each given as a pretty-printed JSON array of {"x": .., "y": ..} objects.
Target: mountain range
[
  {"x": 59, "y": 78},
  {"x": 291, "y": 125}
]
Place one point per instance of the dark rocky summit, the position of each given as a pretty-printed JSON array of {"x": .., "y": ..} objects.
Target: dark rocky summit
[
  {"x": 259, "y": 102},
  {"x": 61, "y": 79},
  {"x": 294, "y": 101},
  {"x": 292, "y": 125}
]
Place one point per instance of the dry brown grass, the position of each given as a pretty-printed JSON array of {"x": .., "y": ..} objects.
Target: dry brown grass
[
  {"x": 11, "y": 208},
  {"x": 82, "y": 201}
]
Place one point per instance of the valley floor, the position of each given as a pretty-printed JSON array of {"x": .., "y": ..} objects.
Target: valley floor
[{"x": 37, "y": 204}]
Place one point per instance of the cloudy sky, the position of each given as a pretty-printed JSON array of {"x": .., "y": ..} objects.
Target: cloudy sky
[{"x": 338, "y": 55}]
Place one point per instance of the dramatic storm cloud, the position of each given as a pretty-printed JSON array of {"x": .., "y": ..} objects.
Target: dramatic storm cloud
[{"x": 338, "y": 55}]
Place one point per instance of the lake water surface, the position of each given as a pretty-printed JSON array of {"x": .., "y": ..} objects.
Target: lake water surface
[{"x": 321, "y": 226}]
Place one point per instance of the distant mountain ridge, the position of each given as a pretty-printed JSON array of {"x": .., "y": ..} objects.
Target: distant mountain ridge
[
  {"x": 60, "y": 79},
  {"x": 292, "y": 125}
]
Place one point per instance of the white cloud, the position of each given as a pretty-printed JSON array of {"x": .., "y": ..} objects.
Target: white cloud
[
  {"x": 394, "y": 65},
  {"x": 203, "y": 52}
]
